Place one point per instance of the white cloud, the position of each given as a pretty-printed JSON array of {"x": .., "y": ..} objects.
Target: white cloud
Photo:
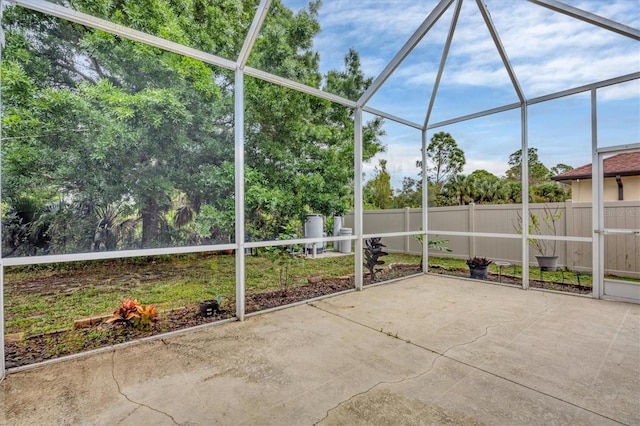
[
  {"x": 549, "y": 52},
  {"x": 401, "y": 162},
  {"x": 377, "y": 29}
]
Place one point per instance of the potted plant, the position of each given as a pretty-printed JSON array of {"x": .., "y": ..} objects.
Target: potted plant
[
  {"x": 209, "y": 308},
  {"x": 478, "y": 267},
  {"x": 546, "y": 220}
]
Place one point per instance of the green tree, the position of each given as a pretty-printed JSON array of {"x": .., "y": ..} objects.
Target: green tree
[
  {"x": 134, "y": 145},
  {"x": 444, "y": 158},
  {"x": 304, "y": 148},
  {"x": 459, "y": 190},
  {"x": 485, "y": 187},
  {"x": 538, "y": 172},
  {"x": 549, "y": 192},
  {"x": 377, "y": 191},
  {"x": 559, "y": 169},
  {"x": 511, "y": 192},
  {"x": 410, "y": 195},
  {"x": 483, "y": 175}
]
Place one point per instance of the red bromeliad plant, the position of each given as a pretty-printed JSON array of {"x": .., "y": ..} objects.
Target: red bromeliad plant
[{"x": 132, "y": 313}]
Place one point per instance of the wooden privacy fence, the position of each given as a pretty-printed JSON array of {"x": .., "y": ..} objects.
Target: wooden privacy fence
[{"x": 622, "y": 252}]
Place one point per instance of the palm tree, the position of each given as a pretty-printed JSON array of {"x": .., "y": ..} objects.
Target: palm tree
[{"x": 460, "y": 189}]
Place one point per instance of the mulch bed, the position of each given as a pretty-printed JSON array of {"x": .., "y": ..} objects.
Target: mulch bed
[
  {"x": 34, "y": 349},
  {"x": 516, "y": 281}
]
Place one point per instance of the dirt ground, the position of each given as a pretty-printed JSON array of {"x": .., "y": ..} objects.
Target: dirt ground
[
  {"x": 52, "y": 345},
  {"x": 35, "y": 349}
]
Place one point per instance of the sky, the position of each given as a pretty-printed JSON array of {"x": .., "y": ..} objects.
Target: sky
[{"x": 549, "y": 52}]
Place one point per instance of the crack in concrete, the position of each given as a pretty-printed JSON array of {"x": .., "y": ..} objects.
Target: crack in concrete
[
  {"x": 443, "y": 355},
  {"x": 139, "y": 404},
  {"x": 395, "y": 382},
  {"x": 486, "y": 330}
]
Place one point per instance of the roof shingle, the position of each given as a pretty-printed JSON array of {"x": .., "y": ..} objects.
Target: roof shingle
[{"x": 626, "y": 164}]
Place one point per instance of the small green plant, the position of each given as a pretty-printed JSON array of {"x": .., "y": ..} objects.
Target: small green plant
[
  {"x": 432, "y": 244},
  {"x": 283, "y": 263},
  {"x": 546, "y": 221},
  {"x": 213, "y": 296},
  {"x": 372, "y": 253},
  {"x": 132, "y": 314}
]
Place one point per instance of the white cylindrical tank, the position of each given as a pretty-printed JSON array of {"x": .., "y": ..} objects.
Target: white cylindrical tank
[
  {"x": 313, "y": 228},
  {"x": 345, "y": 246},
  {"x": 337, "y": 224}
]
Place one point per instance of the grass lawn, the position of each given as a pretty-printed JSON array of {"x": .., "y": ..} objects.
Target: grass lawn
[
  {"x": 515, "y": 271},
  {"x": 44, "y": 298}
]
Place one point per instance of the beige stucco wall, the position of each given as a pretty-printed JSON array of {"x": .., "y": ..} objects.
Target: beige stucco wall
[{"x": 581, "y": 189}]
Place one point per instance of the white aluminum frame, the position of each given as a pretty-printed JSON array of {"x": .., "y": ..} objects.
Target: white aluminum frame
[
  {"x": 443, "y": 61},
  {"x": 597, "y": 187},
  {"x": 503, "y": 54},
  {"x": 426, "y": 25},
  {"x": 596, "y": 212},
  {"x": 358, "y": 194},
  {"x": 589, "y": 18},
  {"x": 241, "y": 70}
]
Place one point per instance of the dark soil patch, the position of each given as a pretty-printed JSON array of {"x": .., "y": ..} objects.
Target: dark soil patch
[
  {"x": 112, "y": 274},
  {"x": 35, "y": 349},
  {"x": 516, "y": 281},
  {"x": 39, "y": 348}
]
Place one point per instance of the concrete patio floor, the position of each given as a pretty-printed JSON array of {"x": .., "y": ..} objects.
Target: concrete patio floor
[{"x": 426, "y": 350}]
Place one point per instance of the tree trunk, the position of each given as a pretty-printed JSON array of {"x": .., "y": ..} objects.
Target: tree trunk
[{"x": 150, "y": 224}]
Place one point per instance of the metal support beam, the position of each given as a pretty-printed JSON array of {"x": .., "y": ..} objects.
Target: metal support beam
[
  {"x": 617, "y": 149},
  {"x": 290, "y": 84},
  {"x": 590, "y": 18},
  {"x": 524, "y": 178},
  {"x": 392, "y": 117},
  {"x": 425, "y": 205},
  {"x": 475, "y": 115},
  {"x": 406, "y": 49},
  {"x": 585, "y": 88},
  {"x": 549, "y": 97},
  {"x": 503, "y": 54},
  {"x": 357, "y": 191},
  {"x": 120, "y": 30},
  {"x": 239, "y": 193},
  {"x": 254, "y": 31},
  {"x": 2, "y": 354},
  {"x": 597, "y": 205},
  {"x": 443, "y": 61},
  {"x": 2, "y": 357}
]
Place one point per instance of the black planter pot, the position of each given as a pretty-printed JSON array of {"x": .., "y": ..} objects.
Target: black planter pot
[
  {"x": 479, "y": 273},
  {"x": 208, "y": 308}
]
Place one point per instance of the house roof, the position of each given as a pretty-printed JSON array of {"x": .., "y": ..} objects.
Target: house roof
[{"x": 626, "y": 164}]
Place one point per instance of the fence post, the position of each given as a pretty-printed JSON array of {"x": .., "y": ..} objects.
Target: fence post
[
  {"x": 569, "y": 231},
  {"x": 472, "y": 228},
  {"x": 406, "y": 229}
]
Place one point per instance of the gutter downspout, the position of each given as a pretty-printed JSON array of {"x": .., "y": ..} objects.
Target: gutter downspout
[{"x": 620, "y": 188}]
